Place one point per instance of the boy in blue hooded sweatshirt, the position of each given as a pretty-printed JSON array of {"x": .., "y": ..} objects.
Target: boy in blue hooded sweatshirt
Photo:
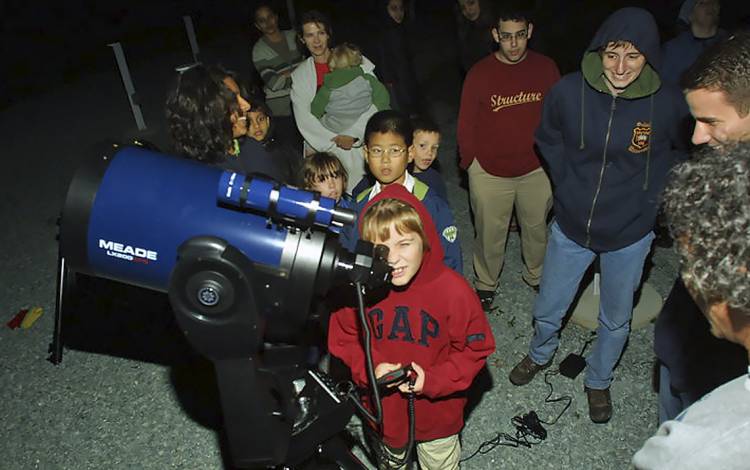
[
  {"x": 389, "y": 148},
  {"x": 610, "y": 134}
]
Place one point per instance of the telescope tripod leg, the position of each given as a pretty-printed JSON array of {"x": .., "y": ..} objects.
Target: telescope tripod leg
[
  {"x": 65, "y": 285},
  {"x": 336, "y": 450}
]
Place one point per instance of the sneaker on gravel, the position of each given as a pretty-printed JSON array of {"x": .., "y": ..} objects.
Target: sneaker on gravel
[
  {"x": 486, "y": 297},
  {"x": 526, "y": 370}
]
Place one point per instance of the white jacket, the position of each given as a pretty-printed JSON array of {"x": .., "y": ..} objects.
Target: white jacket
[{"x": 317, "y": 137}]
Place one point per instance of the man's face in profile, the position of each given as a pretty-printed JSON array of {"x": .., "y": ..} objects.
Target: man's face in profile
[{"x": 718, "y": 123}]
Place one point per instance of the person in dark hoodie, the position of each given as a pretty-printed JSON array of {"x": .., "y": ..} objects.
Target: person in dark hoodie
[
  {"x": 609, "y": 134},
  {"x": 430, "y": 319},
  {"x": 474, "y": 22},
  {"x": 281, "y": 161},
  {"x": 391, "y": 53},
  {"x": 679, "y": 53}
]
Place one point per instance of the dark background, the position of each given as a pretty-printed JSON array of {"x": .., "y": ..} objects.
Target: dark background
[{"x": 48, "y": 44}]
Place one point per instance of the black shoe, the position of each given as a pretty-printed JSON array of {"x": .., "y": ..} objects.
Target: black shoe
[
  {"x": 600, "y": 404},
  {"x": 526, "y": 370},
  {"x": 486, "y": 297}
]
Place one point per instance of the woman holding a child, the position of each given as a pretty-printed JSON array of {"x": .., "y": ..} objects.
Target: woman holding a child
[{"x": 307, "y": 78}]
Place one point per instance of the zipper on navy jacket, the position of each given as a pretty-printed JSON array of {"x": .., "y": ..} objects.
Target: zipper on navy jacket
[{"x": 601, "y": 173}]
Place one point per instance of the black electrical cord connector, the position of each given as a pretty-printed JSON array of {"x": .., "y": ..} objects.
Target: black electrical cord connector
[
  {"x": 377, "y": 418},
  {"x": 529, "y": 428}
]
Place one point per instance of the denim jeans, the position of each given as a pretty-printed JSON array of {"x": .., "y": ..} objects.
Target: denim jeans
[
  {"x": 565, "y": 263},
  {"x": 671, "y": 401}
]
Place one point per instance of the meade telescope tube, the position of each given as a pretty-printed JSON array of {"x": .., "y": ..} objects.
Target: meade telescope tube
[{"x": 241, "y": 259}]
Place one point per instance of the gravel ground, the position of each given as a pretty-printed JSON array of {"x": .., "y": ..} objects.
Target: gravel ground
[{"x": 98, "y": 410}]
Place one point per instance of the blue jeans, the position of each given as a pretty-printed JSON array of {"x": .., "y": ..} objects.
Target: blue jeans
[
  {"x": 671, "y": 401},
  {"x": 565, "y": 263}
]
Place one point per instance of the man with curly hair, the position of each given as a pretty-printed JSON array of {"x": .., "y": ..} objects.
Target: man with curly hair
[
  {"x": 691, "y": 361},
  {"x": 707, "y": 204}
]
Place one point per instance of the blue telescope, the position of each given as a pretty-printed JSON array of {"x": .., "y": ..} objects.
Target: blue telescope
[{"x": 241, "y": 259}]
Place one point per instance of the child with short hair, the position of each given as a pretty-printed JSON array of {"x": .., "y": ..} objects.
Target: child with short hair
[
  {"x": 324, "y": 173},
  {"x": 388, "y": 150},
  {"x": 283, "y": 166},
  {"x": 430, "y": 319},
  {"x": 347, "y": 91},
  {"x": 426, "y": 145}
]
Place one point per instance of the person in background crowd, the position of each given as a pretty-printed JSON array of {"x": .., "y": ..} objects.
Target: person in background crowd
[
  {"x": 275, "y": 55},
  {"x": 609, "y": 134},
  {"x": 708, "y": 208},
  {"x": 347, "y": 91},
  {"x": 284, "y": 162},
  {"x": 315, "y": 32},
  {"x": 505, "y": 91},
  {"x": 691, "y": 361},
  {"x": 702, "y": 17},
  {"x": 426, "y": 144},
  {"x": 207, "y": 119},
  {"x": 391, "y": 53},
  {"x": 702, "y": 20},
  {"x": 474, "y": 19},
  {"x": 389, "y": 151}
]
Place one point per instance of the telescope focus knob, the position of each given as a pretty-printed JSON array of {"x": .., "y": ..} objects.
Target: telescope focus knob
[{"x": 211, "y": 293}]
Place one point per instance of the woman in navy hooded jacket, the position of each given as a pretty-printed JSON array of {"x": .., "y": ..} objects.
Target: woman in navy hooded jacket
[{"x": 609, "y": 135}]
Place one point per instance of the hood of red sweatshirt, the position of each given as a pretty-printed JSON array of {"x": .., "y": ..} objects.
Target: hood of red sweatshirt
[{"x": 432, "y": 261}]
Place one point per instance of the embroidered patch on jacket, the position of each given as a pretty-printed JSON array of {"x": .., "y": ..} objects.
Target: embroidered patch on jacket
[
  {"x": 641, "y": 137},
  {"x": 450, "y": 233},
  {"x": 475, "y": 337}
]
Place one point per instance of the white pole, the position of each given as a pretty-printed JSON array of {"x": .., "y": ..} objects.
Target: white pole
[
  {"x": 191, "y": 37},
  {"x": 122, "y": 64}
]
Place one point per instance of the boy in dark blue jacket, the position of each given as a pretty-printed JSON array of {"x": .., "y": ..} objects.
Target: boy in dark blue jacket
[
  {"x": 610, "y": 134},
  {"x": 388, "y": 151}
]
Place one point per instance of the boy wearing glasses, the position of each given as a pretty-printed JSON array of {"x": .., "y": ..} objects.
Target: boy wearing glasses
[
  {"x": 501, "y": 105},
  {"x": 388, "y": 150}
]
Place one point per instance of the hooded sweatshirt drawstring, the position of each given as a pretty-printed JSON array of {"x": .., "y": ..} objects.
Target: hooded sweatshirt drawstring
[
  {"x": 645, "y": 139},
  {"x": 650, "y": 140},
  {"x": 582, "y": 145}
]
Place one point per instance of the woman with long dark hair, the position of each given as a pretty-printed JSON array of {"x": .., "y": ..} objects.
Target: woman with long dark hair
[{"x": 207, "y": 119}]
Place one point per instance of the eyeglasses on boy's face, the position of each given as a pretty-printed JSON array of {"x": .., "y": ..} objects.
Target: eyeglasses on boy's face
[
  {"x": 518, "y": 35},
  {"x": 391, "y": 152}
]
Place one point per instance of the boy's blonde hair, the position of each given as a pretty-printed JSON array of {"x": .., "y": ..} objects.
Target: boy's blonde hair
[
  {"x": 376, "y": 222},
  {"x": 320, "y": 165},
  {"x": 344, "y": 56}
]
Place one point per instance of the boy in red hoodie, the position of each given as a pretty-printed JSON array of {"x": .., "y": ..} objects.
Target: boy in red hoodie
[{"x": 431, "y": 319}]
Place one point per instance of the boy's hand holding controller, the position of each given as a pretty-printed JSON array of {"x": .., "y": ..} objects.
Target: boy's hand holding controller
[
  {"x": 415, "y": 374},
  {"x": 418, "y": 372}
]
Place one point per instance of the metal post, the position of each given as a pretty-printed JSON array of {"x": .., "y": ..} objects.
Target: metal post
[
  {"x": 122, "y": 64},
  {"x": 191, "y": 37}
]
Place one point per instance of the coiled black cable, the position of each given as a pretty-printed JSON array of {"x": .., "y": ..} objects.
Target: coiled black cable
[{"x": 377, "y": 418}]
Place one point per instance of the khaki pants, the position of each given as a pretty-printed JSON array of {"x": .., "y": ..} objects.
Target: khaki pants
[
  {"x": 438, "y": 454},
  {"x": 492, "y": 201}
]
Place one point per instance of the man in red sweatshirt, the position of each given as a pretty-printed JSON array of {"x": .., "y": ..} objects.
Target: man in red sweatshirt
[{"x": 501, "y": 105}]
